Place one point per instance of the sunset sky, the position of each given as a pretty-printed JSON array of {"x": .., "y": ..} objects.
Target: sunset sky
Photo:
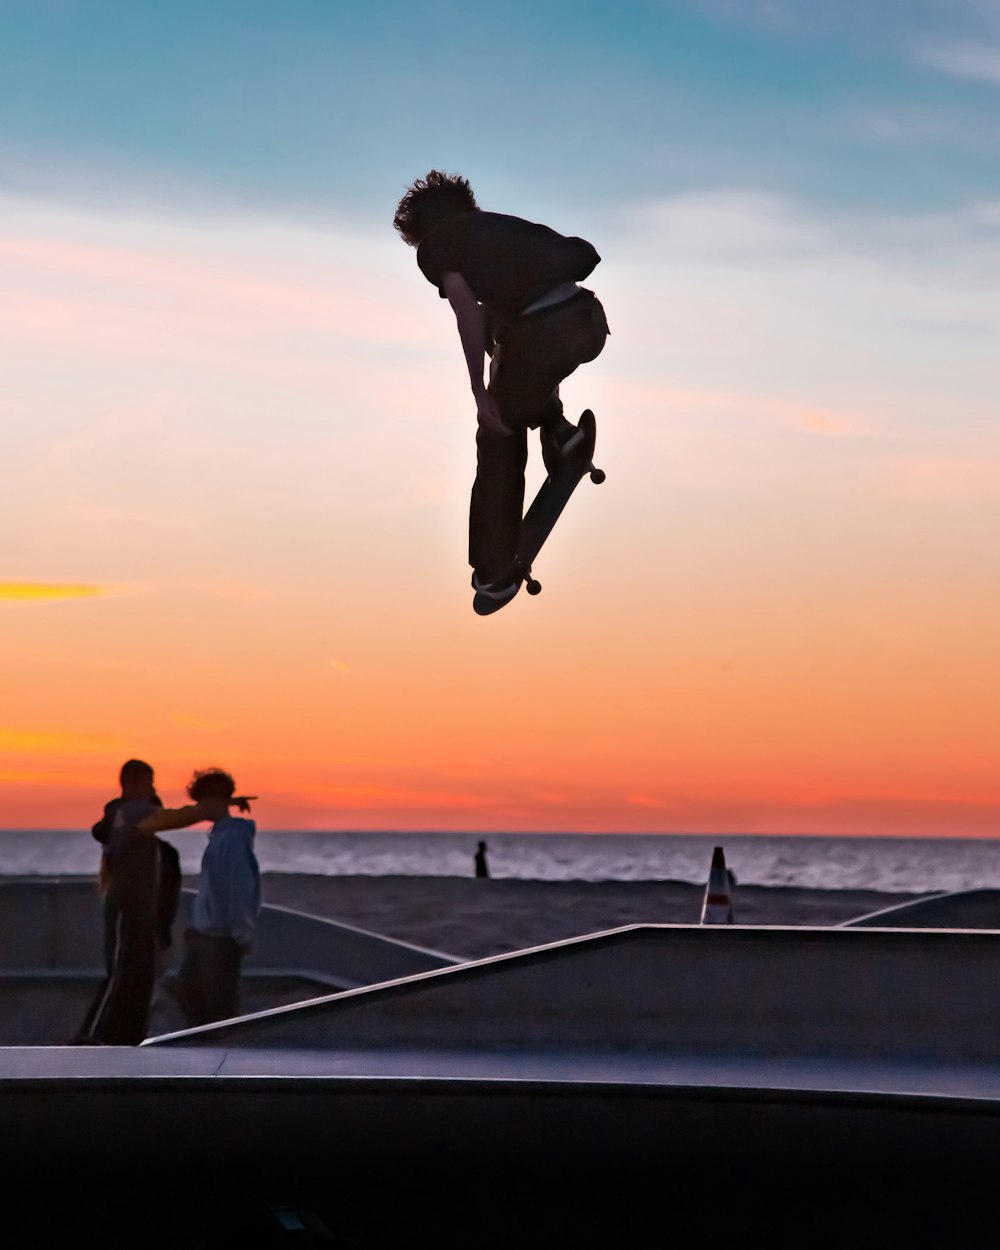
[{"x": 237, "y": 437}]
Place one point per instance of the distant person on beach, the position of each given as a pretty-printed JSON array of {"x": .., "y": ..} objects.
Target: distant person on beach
[
  {"x": 513, "y": 286},
  {"x": 139, "y": 905},
  {"x": 224, "y": 920},
  {"x": 482, "y": 867}
]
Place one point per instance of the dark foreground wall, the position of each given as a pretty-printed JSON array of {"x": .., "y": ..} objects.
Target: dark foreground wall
[{"x": 188, "y": 1159}]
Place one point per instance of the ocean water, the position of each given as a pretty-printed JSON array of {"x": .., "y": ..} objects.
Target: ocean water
[{"x": 906, "y": 865}]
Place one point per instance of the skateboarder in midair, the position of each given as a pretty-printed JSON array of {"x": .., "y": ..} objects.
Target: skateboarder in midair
[{"x": 514, "y": 287}]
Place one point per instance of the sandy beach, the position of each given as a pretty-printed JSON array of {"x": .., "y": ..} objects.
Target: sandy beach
[{"x": 466, "y": 917}]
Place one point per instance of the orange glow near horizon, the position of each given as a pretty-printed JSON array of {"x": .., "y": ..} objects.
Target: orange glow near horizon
[{"x": 241, "y": 514}]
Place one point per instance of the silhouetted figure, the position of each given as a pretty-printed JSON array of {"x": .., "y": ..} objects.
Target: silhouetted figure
[
  {"x": 224, "y": 919},
  {"x": 168, "y": 890},
  {"x": 513, "y": 287},
  {"x": 482, "y": 867},
  {"x": 138, "y": 907},
  {"x": 141, "y": 882}
]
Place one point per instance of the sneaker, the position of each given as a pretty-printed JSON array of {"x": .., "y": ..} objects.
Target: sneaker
[
  {"x": 564, "y": 440},
  {"x": 492, "y": 596}
]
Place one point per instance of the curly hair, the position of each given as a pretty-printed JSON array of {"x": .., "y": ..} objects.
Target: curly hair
[
  {"x": 430, "y": 200},
  {"x": 211, "y": 783}
]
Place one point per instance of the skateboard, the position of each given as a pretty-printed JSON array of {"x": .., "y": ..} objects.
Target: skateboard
[{"x": 553, "y": 495}]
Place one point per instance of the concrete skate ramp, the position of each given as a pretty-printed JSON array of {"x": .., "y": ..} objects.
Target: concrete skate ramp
[
  {"x": 56, "y": 924},
  {"x": 713, "y": 990},
  {"x": 52, "y": 959},
  {"x": 961, "y": 909}
]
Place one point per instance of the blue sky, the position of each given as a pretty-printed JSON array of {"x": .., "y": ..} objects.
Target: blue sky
[{"x": 323, "y": 106}]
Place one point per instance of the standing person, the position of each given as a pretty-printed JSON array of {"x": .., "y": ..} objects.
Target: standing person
[
  {"x": 168, "y": 887},
  {"x": 224, "y": 920},
  {"x": 482, "y": 867},
  {"x": 513, "y": 286},
  {"x": 140, "y": 881}
]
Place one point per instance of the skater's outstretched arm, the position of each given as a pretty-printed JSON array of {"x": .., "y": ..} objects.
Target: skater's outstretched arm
[
  {"x": 173, "y": 818},
  {"x": 182, "y": 817},
  {"x": 471, "y": 318}
]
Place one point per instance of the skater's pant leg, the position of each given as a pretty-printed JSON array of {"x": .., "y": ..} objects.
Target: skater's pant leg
[
  {"x": 497, "y": 501},
  {"x": 189, "y": 995},
  {"x": 208, "y": 985},
  {"x": 120, "y": 1013},
  {"x": 221, "y": 958},
  {"x": 535, "y": 356}
]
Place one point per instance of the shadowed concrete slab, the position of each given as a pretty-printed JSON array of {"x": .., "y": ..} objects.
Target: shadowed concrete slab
[{"x": 182, "y": 1147}]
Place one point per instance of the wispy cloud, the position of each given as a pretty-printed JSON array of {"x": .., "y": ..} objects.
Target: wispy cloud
[
  {"x": 742, "y": 406},
  {"x": 362, "y": 796},
  {"x": 646, "y": 800},
  {"x": 48, "y": 742},
  {"x": 946, "y": 478},
  {"x": 974, "y": 62},
  {"x": 856, "y": 20},
  {"x": 145, "y": 288},
  {"x": 33, "y": 592},
  {"x": 825, "y": 423}
]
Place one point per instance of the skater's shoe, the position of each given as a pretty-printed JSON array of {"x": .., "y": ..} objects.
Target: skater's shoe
[
  {"x": 569, "y": 439},
  {"x": 561, "y": 440},
  {"x": 492, "y": 596}
]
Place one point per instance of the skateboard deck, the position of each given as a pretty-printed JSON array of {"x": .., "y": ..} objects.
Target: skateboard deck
[{"x": 553, "y": 496}]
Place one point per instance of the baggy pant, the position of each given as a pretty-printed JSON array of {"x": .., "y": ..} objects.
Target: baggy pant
[
  {"x": 536, "y": 354},
  {"x": 139, "y": 911},
  {"x": 208, "y": 984},
  {"x": 119, "y": 1014}
]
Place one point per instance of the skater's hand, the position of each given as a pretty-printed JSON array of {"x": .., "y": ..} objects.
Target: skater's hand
[
  {"x": 242, "y": 801},
  {"x": 489, "y": 416}
]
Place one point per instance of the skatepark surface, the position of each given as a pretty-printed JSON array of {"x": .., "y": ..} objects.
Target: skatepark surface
[{"x": 715, "y": 1085}]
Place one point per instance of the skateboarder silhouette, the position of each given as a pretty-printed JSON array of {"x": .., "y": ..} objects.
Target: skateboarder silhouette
[{"x": 514, "y": 289}]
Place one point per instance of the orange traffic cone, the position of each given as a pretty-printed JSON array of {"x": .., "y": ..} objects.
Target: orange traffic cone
[{"x": 718, "y": 905}]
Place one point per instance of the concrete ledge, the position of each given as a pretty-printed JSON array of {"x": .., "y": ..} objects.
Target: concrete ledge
[
  {"x": 109, "y": 1066},
  {"x": 714, "y": 990},
  {"x": 276, "y": 1115},
  {"x": 192, "y": 1158},
  {"x": 960, "y": 909}
]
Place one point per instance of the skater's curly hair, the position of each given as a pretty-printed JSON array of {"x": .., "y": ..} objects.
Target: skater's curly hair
[
  {"x": 429, "y": 201},
  {"x": 211, "y": 783}
]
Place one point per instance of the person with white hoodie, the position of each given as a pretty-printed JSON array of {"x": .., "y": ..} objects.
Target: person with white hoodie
[{"x": 224, "y": 917}]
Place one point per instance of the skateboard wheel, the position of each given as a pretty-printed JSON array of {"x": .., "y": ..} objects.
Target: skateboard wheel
[
  {"x": 597, "y": 476},
  {"x": 533, "y": 587}
]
